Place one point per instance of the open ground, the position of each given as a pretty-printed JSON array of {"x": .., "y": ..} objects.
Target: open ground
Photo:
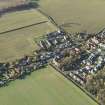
[
  {"x": 81, "y": 15},
  {"x": 44, "y": 87}
]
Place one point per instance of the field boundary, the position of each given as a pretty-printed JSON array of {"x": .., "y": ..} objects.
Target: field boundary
[
  {"x": 49, "y": 17},
  {"x": 42, "y": 22}
]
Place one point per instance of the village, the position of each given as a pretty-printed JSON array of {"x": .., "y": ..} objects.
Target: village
[
  {"x": 75, "y": 59},
  {"x": 88, "y": 61}
]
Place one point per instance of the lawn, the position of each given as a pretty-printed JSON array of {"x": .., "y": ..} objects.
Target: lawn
[
  {"x": 43, "y": 87},
  {"x": 16, "y": 44},
  {"x": 82, "y": 15}
]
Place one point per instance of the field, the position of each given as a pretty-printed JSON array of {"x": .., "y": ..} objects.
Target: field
[
  {"x": 9, "y": 3},
  {"x": 19, "y": 19},
  {"x": 81, "y": 15},
  {"x": 15, "y": 44},
  {"x": 43, "y": 87}
]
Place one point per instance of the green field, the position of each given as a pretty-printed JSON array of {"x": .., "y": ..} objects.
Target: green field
[
  {"x": 43, "y": 87},
  {"x": 16, "y": 44},
  {"x": 84, "y": 15}
]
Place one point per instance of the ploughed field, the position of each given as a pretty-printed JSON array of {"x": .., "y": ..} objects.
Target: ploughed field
[
  {"x": 20, "y": 42},
  {"x": 77, "y": 15},
  {"x": 44, "y": 87}
]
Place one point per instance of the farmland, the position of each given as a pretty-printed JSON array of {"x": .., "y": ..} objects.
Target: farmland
[
  {"x": 18, "y": 32},
  {"x": 81, "y": 15},
  {"x": 20, "y": 42},
  {"x": 10, "y": 3},
  {"x": 19, "y": 19},
  {"x": 44, "y": 87}
]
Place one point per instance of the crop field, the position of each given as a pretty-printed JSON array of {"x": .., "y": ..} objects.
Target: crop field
[
  {"x": 80, "y": 15},
  {"x": 43, "y": 87},
  {"x": 15, "y": 44}
]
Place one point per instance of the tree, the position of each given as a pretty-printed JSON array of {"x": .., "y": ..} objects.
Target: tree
[
  {"x": 101, "y": 96},
  {"x": 96, "y": 85}
]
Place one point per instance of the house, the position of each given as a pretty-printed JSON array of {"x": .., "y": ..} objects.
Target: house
[
  {"x": 53, "y": 34},
  {"x": 41, "y": 43},
  {"x": 95, "y": 40},
  {"x": 45, "y": 44},
  {"x": 55, "y": 62},
  {"x": 77, "y": 50},
  {"x": 77, "y": 78},
  {"x": 48, "y": 43},
  {"x": 71, "y": 74},
  {"x": 55, "y": 42},
  {"x": 102, "y": 45},
  {"x": 101, "y": 34},
  {"x": 93, "y": 57},
  {"x": 58, "y": 56},
  {"x": 61, "y": 32}
]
